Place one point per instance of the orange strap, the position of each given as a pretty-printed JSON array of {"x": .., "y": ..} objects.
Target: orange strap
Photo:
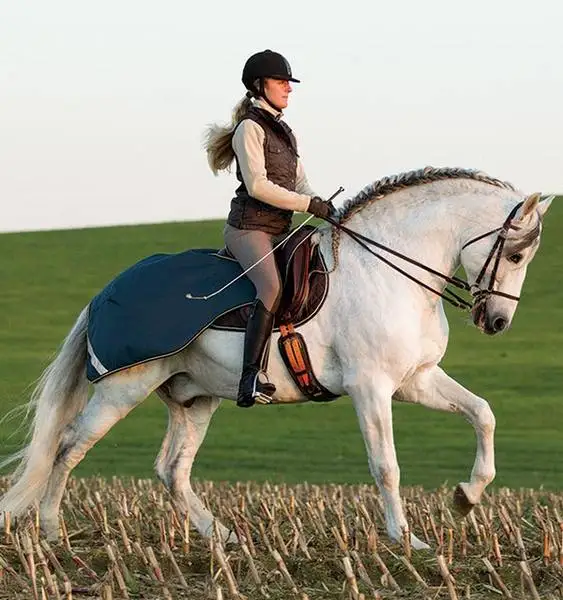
[{"x": 294, "y": 353}]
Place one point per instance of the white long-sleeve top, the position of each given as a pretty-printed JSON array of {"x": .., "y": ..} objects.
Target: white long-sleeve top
[{"x": 248, "y": 145}]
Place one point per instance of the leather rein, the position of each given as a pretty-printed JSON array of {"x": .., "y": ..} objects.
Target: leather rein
[{"x": 478, "y": 293}]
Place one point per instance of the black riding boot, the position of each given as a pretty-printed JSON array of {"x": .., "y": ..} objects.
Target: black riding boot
[{"x": 256, "y": 352}]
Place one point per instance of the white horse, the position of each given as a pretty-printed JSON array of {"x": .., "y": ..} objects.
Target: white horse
[{"x": 378, "y": 335}]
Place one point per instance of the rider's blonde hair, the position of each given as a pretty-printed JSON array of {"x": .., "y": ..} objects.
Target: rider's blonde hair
[{"x": 218, "y": 138}]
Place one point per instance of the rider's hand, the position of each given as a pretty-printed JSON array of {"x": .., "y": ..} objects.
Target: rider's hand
[{"x": 321, "y": 208}]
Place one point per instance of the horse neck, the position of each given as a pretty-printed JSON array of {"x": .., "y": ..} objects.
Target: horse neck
[{"x": 431, "y": 223}]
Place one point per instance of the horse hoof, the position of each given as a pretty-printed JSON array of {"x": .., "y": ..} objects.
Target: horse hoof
[
  {"x": 417, "y": 544},
  {"x": 462, "y": 503},
  {"x": 50, "y": 529},
  {"x": 232, "y": 539},
  {"x": 51, "y": 535}
]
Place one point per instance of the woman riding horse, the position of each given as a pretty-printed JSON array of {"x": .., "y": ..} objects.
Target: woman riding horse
[{"x": 272, "y": 186}]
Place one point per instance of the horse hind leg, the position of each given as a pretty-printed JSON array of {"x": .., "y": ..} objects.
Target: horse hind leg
[
  {"x": 188, "y": 421},
  {"x": 113, "y": 399}
]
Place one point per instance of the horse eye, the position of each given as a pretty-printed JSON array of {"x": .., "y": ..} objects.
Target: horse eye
[{"x": 515, "y": 258}]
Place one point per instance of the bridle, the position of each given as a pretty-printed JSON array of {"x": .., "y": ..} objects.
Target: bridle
[{"x": 478, "y": 293}]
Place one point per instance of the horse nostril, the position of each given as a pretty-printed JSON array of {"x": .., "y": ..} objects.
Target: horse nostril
[{"x": 499, "y": 324}]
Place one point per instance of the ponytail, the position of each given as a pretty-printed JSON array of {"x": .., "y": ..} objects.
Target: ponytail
[{"x": 217, "y": 144}]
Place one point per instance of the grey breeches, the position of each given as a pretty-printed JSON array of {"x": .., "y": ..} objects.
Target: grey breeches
[{"x": 248, "y": 246}]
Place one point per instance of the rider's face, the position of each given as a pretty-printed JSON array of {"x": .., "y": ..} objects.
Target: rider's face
[{"x": 277, "y": 91}]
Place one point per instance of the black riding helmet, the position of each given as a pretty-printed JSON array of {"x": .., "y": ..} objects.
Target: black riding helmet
[{"x": 265, "y": 64}]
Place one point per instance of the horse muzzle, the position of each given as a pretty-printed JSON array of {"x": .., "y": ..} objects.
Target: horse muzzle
[{"x": 487, "y": 322}]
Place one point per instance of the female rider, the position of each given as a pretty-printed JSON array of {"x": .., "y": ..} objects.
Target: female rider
[{"x": 272, "y": 186}]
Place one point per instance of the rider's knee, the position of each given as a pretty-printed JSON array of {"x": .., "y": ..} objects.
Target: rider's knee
[
  {"x": 272, "y": 292},
  {"x": 277, "y": 299}
]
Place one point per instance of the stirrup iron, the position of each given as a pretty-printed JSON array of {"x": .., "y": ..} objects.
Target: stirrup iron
[{"x": 260, "y": 397}]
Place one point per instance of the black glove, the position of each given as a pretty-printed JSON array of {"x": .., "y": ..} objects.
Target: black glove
[{"x": 321, "y": 208}]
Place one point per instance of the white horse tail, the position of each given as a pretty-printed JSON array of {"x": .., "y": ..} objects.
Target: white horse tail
[{"x": 60, "y": 395}]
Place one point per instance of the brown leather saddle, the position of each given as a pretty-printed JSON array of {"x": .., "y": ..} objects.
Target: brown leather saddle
[{"x": 304, "y": 278}]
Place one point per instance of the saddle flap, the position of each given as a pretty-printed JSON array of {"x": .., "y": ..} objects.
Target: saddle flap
[
  {"x": 304, "y": 281},
  {"x": 294, "y": 262}
]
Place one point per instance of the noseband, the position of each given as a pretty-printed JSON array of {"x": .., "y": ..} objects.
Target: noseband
[{"x": 479, "y": 294}]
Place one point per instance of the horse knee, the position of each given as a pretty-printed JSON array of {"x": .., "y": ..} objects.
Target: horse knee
[{"x": 485, "y": 418}]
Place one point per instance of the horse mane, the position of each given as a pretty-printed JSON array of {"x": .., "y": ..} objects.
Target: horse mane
[{"x": 385, "y": 186}]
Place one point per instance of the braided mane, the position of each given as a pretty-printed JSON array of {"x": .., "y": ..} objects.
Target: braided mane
[
  {"x": 387, "y": 185},
  {"x": 383, "y": 187}
]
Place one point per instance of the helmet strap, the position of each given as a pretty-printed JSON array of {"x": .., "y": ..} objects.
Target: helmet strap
[{"x": 262, "y": 93}]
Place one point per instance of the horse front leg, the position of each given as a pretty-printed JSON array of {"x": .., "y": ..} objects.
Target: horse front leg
[
  {"x": 372, "y": 401},
  {"x": 435, "y": 389}
]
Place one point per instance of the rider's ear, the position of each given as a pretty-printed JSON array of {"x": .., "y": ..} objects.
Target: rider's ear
[
  {"x": 544, "y": 205},
  {"x": 529, "y": 206}
]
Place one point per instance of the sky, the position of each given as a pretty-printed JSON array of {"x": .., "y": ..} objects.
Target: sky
[{"x": 103, "y": 105}]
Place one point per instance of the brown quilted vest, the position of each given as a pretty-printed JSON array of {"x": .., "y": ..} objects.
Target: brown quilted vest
[{"x": 280, "y": 153}]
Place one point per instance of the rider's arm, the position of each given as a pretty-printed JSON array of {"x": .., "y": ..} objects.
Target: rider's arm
[
  {"x": 302, "y": 183},
  {"x": 248, "y": 144}
]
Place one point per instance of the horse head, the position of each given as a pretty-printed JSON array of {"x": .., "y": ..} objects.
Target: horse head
[{"x": 496, "y": 263}]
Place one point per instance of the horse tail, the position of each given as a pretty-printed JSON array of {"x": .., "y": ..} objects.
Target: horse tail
[{"x": 59, "y": 396}]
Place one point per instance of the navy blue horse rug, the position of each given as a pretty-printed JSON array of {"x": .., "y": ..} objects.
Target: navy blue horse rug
[{"x": 144, "y": 313}]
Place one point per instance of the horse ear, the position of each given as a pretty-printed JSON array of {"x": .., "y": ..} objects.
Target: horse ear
[
  {"x": 530, "y": 204},
  {"x": 544, "y": 205}
]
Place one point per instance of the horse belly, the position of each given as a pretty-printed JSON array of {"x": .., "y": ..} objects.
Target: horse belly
[{"x": 214, "y": 361}]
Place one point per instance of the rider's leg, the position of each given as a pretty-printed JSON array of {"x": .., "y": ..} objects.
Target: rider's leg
[{"x": 249, "y": 246}]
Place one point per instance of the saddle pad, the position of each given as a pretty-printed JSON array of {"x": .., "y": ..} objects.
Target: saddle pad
[{"x": 143, "y": 313}]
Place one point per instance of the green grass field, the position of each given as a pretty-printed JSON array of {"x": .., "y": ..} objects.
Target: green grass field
[{"x": 48, "y": 277}]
